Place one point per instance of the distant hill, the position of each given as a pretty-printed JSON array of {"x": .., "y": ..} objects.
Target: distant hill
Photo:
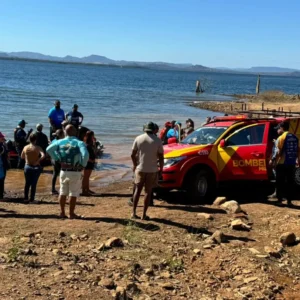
[
  {"x": 260, "y": 70},
  {"x": 98, "y": 59},
  {"x": 103, "y": 60}
]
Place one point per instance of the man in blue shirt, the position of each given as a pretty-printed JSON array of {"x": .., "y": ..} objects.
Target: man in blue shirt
[
  {"x": 74, "y": 117},
  {"x": 73, "y": 157},
  {"x": 56, "y": 116}
]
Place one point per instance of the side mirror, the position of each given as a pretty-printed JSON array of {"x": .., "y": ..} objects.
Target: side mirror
[{"x": 222, "y": 143}]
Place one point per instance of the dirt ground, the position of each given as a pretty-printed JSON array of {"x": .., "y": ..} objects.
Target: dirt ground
[{"x": 172, "y": 256}]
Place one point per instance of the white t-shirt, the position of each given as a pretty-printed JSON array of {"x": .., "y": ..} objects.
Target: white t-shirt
[{"x": 148, "y": 147}]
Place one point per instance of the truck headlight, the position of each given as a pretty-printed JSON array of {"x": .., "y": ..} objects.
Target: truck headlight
[{"x": 169, "y": 162}]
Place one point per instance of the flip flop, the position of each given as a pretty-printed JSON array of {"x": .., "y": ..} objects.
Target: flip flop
[{"x": 76, "y": 217}]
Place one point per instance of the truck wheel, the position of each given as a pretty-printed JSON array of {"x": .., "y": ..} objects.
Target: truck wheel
[
  {"x": 201, "y": 186},
  {"x": 297, "y": 177},
  {"x": 160, "y": 193}
]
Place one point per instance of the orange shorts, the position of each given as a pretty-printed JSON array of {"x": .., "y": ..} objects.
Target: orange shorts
[{"x": 149, "y": 180}]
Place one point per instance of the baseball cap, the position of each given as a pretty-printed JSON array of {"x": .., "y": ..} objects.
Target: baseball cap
[
  {"x": 2, "y": 135},
  {"x": 75, "y": 106},
  {"x": 22, "y": 122}
]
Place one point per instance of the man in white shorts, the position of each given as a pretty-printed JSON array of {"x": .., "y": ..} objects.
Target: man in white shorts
[{"x": 73, "y": 157}]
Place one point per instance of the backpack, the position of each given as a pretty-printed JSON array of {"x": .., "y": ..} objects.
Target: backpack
[{"x": 290, "y": 149}]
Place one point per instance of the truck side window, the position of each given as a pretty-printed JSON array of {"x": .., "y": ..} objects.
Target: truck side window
[{"x": 247, "y": 136}]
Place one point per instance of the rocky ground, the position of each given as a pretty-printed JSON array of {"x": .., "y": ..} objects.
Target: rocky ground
[
  {"x": 219, "y": 251},
  {"x": 273, "y": 101}
]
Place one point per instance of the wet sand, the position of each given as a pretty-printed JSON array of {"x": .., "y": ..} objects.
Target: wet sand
[{"x": 110, "y": 168}]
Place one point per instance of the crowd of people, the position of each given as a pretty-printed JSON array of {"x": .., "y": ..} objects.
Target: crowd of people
[
  {"x": 73, "y": 157},
  {"x": 34, "y": 147}
]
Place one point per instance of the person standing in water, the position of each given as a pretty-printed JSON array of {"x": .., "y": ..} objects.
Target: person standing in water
[
  {"x": 74, "y": 117},
  {"x": 56, "y": 116}
]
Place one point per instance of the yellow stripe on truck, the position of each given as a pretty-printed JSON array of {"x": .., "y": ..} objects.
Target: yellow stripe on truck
[{"x": 183, "y": 151}]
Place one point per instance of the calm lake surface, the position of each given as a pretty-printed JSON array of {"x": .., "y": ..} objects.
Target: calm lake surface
[{"x": 116, "y": 102}]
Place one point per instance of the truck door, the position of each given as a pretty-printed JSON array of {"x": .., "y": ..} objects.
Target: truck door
[{"x": 244, "y": 155}]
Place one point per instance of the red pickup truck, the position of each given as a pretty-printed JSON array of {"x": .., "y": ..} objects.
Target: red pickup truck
[{"x": 228, "y": 149}]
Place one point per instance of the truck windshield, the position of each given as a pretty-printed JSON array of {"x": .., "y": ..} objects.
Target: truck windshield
[{"x": 204, "y": 136}]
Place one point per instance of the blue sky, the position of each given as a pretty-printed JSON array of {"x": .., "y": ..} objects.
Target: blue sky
[{"x": 228, "y": 33}]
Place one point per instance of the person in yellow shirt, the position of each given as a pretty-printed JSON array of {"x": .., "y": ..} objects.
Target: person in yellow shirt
[{"x": 286, "y": 161}]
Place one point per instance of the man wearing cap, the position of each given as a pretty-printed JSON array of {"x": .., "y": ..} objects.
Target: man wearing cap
[
  {"x": 73, "y": 156},
  {"x": 56, "y": 116},
  {"x": 21, "y": 137},
  {"x": 286, "y": 160},
  {"x": 3, "y": 163},
  {"x": 41, "y": 138},
  {"x": 146, "y": 149},
  {"x": 74, "y": 117}
]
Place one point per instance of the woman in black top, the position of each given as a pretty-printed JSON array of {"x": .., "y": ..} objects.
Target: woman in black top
[{"x": 89, "y": 141}]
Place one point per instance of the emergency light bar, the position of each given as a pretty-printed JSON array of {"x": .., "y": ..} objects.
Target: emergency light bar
[{"x": 231, "y": 118}]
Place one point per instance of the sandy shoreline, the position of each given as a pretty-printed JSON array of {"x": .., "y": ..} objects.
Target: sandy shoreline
[{"x": 271, "y": 102}]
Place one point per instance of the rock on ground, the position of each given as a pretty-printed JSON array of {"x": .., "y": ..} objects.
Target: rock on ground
[
  {"x": 219, "y": 237},
  {"x": 232, "y": 207},
  {"x": 288, "y": 239},
  {"x": 205, "y": 216},
  {"x": 220, "y": 200},
  {"x": 239, "y": 225},
  {"x": 114, "y": 242}
]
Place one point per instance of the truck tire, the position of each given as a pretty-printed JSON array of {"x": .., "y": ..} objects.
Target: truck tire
[
  {"x": 297, "y": 177},
  {"x": 201, "y": 186},
  {"x": 160, "y": 193}
]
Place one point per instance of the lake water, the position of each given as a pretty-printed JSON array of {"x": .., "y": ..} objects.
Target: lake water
[{"x": 116, "y": 102}]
